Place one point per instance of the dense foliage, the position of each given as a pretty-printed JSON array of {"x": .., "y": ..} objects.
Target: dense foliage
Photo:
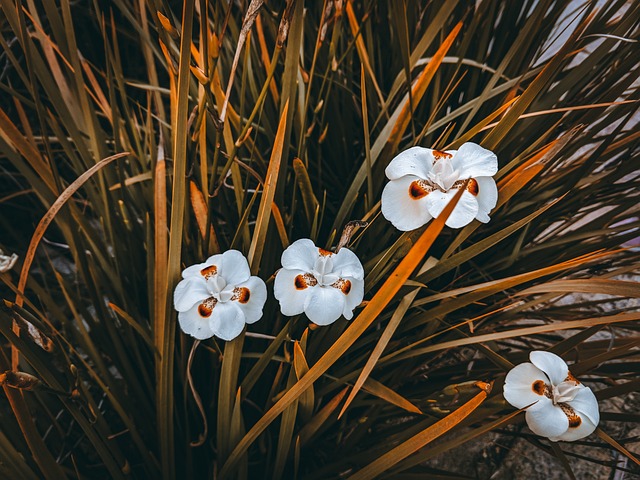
[{"x": 141, "y": 137}]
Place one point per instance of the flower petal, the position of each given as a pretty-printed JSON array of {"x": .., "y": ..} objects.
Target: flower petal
[
  {"x": 227, "y": 320},
  {"x": 405, "y": 207},
  {"x": 196, "y": 270},
  {"x": 347, "y": 264},
  {"x": 250, "y": 296},
  {"x": 324, "y": 305},
  {"x": 233, "y": 267},
  {"x": 473, "y": 161},
  {"x": 524, "y": 385},
  {"x": 291, "y": 291},
  {"x": 586, "y": 404},
  {"x": 188, "y": 292},
  {"x": 465, "y": 211},
  {"x": 487, "y": 197},
  {"x": 354, "y": 297},
  {"x": 413, "y": 161},
  {"x": 551, "y": 364},
  {"x": 300, "y": 255},
  {"x": 194, "y": 324},
  {"x": 545, "y": 419},
  {"x": 584, "y": 428}
]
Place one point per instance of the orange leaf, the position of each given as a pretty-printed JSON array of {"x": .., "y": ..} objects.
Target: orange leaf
[{"x": 402, "y": 451}]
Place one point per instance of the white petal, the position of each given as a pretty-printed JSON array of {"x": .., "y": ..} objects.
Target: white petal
[
  {"x": 7, "y": 261},
  {"x": 227, "y": 320},
  {"x": 188, "y": 292},
  {"x": 252, "y": 299},
  {"x": 290, "y": 296},
  {"x": 347, "y": 264},
  {"x": 473, "y": 161},
  {"x": 300, "y": 255},
  {"x": 551, "y": 364},
  {"x": 194, "y": 270},
  {"x": 586, "y": 404},
  {"x": 585, "y": 429},
  {"x": 405, "y": 211},
  {"x": 353, "y": 298},
  {"x": 324, "y": 305},
  {"x": 545, "y": 419},
  {"x": 192, "y": 323},
  {"x": 487, "y": 197},
  {"x": 414, "y": 161},
  {"x": 234, "y": 267},
  {"x": 524, "y": 385},
  {"x": 464, "y": 213}
]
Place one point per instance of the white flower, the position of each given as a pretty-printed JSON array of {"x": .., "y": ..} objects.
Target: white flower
[
  {"x": 423, "y": 181},
  {"x": 218, "y": 297},
  {"x": 322, "y": 284},
  {"x": 7, "y": 261},
  {"x": 561, "y": 408}
]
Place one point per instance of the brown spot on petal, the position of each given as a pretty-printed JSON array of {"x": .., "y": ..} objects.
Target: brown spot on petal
[
  {"x": 472, "y": 187},
  {"x": 539, "y": 387},
  {"x": 343, "y": 285},
  {"x": 303, "y": 281},
  {"x": 574, "y": 419},
  {"x": 206, "y": 307},
  {"x": 571, "y": 378},
  {"x": 324, "y": 253},
  {"x": 241, "y": 294},
  {"x": 419, "y": 189},
  {"x": 439, "y": 154},
  {"x": 209, "y": 271}
]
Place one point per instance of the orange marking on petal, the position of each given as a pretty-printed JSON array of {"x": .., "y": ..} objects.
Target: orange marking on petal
[
  {"x": 303, "y": 281},
  {"x": 571, "y": 378},
  {"x": 242, "y": 294},
  {"x": 539, "y": 387},
  {"x": 343, "y": 285},
  {"x": 574, "y": 419},
  {"x": 209, "y": 271},
  {"x": 300, "y": 282},
  {"x": 417, "y": 190},
  {"x": 204, "y": 310},
  {"x": 439, "y": 154},
  {"x": 472, "y": 187},
  {"x": 324, "y": 253}
]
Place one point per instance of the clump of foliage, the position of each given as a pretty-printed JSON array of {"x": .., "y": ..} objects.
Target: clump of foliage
[{"x": 137, "y": 138}]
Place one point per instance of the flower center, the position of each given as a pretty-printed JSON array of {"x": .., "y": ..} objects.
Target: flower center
[
  {"x": 219, "y": 289},
  {"x": 443, "y": 175},
  {"x": 323, "y": 271},
  {"x": 564, "y": 392}
]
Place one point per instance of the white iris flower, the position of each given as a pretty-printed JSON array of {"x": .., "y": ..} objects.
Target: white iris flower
[
  {"x": 218, "y": 297},
  {"x": 322, "y": 284},
  {"x": 423, "y": 181},
  {"x": 561, "y": 408}
]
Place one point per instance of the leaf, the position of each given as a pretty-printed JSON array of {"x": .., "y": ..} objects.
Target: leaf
[
  {"x": 603, "y": 436},
  {"x": 376, "y": 388},
  {"x": 384, "y": 339},
  {"x": 164, "y": 372},
  {"x": 356, "y": 329},
  {"x": 394, "y": 129},
  {"x": 415, "y": 443},
  {"x": 315, "y": 424},
  {"x": 268, "y": 194}
]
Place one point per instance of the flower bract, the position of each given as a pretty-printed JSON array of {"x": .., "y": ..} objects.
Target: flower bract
[
  {"x": 322, "y": 284},
  {"x": 218, "y": 297},
  {"x": 423, "y": 181},
  {"x": 559, "y": 406}
]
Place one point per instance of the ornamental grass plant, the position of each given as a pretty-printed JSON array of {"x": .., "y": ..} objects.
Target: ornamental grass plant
[{"x": 139, "y": 138}]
